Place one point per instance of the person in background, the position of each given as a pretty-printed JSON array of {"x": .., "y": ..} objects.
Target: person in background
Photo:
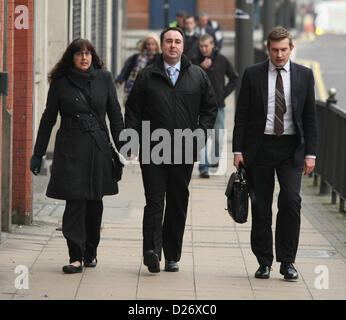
[
  {"x": 217, "y": 67},
  {"x": 204, "y": 25},
  {"x": 179, "y": 19},
  {"x": 149, "y": 50},
  {"x": 82, "y": 92},
  {"x": 191, "y": 37}
]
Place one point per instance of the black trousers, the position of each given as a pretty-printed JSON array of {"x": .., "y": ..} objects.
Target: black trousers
[
  {"x": 81, "y": 226},
  {"x": 275, "y": 155},
  {"x": 170, "y": 183}
]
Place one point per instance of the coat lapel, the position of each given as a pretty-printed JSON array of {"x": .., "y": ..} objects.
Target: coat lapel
[
  {"x": 264, "y": 86},
  {"x": 294, "y": 87}
]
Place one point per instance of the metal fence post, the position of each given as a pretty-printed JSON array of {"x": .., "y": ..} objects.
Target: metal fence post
[
  {"x": 324, "y": 187},
  {"x": 244, "y": 49},
  {"x": 342, "y": 205}
]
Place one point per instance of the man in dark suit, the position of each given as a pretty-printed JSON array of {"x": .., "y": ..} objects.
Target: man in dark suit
[
  {"x": 171, "y": 94},
  {"x": 275, "y": 131}
]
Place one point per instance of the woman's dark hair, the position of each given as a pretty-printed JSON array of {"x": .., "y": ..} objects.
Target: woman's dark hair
[{"x": 66, "y": 61}]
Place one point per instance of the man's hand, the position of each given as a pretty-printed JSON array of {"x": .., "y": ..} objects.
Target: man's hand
[
  {"x": 238, "y": 158},
  {"x": 309, "y": 165},
  {"x": 206, "y": 63}
]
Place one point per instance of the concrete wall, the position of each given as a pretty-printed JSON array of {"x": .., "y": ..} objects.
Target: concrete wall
[{"x": 51, "y": 40}]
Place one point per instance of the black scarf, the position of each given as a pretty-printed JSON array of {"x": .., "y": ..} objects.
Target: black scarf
[{"x": 82, "y": 79}]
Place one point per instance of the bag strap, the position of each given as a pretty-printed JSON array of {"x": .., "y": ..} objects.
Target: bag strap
[
  {"x": 87, "y": 102},
  {"x": 243, "y": 175}
]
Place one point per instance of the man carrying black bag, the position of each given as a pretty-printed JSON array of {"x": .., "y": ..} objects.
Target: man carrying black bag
[
  {"x": 275, "y": 132},
  {"x": 237, "y": 193}
]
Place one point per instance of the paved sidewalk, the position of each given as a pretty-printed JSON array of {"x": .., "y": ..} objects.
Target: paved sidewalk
[{"x": 217, "y": 262}]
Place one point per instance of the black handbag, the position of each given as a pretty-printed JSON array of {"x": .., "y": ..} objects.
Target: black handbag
[
  {"x": 237, "y": 193},
  {"x": 116, "y": 162}
]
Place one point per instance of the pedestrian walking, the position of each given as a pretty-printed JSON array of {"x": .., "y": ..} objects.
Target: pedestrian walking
[
  {"x": 191, "y": 38},
  {"x": 83, "y": 92},
  {"x": 179, "y": 19},
  {"x": 205, "y": 25},
  {"x": 218, "y": 68},
  {"x": 275, "y": 132},
  {"x": 171, "y": 94},
  {"x": 149, "y": 50}
]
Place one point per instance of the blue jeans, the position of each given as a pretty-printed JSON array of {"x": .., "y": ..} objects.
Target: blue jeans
[{"x": 216, "y": 143}]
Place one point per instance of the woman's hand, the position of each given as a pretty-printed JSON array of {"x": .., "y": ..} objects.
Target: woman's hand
[{"x": 35, "y": 164}]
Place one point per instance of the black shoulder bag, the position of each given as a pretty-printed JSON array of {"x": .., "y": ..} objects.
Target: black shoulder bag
[
  {"x": 237, "y": 192},
  {"x": 117, "y": 164}
]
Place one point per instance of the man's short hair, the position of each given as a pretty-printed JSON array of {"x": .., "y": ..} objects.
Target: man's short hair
[
  {"x": 162, "y": 35},
  {"x": 279, "y": 33},
  {"x": 189, "y": 17},
  {"x": 181, "y": 14},
  {"x": 205, "y": 37},
  {"x": 201, "y": 13}
]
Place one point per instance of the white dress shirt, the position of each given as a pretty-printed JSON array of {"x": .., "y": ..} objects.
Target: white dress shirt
[
  {"x": 289, "y": 128},
  {"x": 288, "y": 116}
]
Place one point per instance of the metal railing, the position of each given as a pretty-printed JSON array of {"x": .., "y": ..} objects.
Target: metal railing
[{"x": 331, "y": 151}]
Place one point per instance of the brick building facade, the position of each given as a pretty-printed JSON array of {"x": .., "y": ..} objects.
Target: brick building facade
[
  {"x": 138, "y": 12},
  {"x": 17, "y": 25},
  {"x": 23, "y": 60}
]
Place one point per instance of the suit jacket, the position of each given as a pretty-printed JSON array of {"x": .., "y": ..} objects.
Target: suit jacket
[{"x": 252, "y": 105}]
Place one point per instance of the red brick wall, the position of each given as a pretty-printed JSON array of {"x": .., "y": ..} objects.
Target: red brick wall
[
  {"x": 137, "y": 14},
  {"x": 219, "y": 10},
  {"x": 10, "y": 38},
  {"x": 22, "y": 116}
]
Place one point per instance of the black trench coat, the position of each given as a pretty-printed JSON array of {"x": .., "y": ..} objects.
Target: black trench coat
[{"x": 82, "y": 167}]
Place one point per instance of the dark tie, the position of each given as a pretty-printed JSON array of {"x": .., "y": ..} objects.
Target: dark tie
[{"x": 280, "y": 105}]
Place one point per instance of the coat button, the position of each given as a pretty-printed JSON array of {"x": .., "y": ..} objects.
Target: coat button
[
  {"x": 78, "y": 116},
  {"x": 77, "y": 99},
  {"x": 90, "y": 115}
]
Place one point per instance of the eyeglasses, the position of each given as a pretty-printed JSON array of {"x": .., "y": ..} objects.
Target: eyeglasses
[{"x": 83, "y": 53}]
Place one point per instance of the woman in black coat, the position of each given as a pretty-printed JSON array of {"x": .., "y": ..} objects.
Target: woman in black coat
[{"x": 83, "y": 92}]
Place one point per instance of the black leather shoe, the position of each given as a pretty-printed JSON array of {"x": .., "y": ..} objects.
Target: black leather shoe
[
  {"x": 204, "y": 175},
  {"x": 72, "y": 269},
  {"x": 263, "y": 272},
  {"x": 90, "y": 264},
  {"x": 151, "y": 260},
  {"x": 171, "y": 266},
  {"x": 215, "y": 165},
  {"x": 288, "y": 271}
]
